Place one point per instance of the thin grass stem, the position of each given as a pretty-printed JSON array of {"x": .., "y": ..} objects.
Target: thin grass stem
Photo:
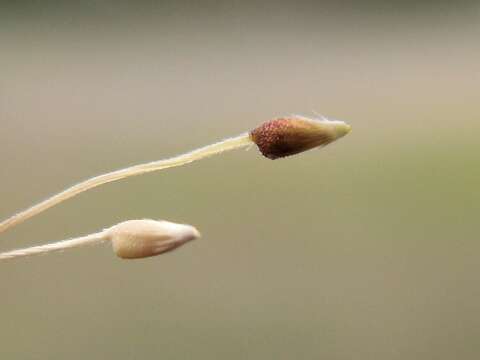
[
  {"x": 209, "y": 150},
  {"x": 58, "y": 246}
]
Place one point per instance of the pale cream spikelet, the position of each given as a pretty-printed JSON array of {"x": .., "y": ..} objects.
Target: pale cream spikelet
[{"x": 136, "y": 239}]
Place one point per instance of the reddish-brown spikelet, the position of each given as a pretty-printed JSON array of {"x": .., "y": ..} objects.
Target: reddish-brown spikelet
[{"x": 288, "y": 136}]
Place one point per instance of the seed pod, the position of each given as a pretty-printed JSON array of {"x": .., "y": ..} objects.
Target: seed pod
[
  {"x": 291, "y": 135},
  {"x": 135, "y": 239}
]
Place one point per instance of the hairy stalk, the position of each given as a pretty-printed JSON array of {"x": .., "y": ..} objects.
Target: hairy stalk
[
  {"x": 58, "y": 246},
  {"x": 136, "y": 239},
  {"x": 209, "y": 150}
]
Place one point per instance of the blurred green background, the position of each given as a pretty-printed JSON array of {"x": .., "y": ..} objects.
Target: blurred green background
[{"x": 367, "y": 249}]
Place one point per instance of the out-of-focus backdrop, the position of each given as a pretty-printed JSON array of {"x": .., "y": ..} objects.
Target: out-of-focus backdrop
[{"x": 367, "y": 249}]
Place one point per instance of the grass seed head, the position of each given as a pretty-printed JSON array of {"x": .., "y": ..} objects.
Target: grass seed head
[
  {"x": 294, "y": 134},
  {"x": 136, "y": 239}
]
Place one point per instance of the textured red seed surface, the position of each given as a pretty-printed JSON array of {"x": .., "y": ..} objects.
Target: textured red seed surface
[
  {"x": 268, "y": 137},
  {"x": 288, "y": 136}
]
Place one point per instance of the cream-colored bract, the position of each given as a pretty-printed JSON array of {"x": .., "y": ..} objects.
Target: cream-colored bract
[
  {"x": 341, "y": 127},
  {"x": 136, "y": 239}
]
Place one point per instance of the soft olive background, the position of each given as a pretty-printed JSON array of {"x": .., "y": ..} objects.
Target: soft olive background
[{"x": 367, "y": 249}]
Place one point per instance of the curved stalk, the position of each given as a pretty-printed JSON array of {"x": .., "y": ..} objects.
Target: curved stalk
[
  {"x": 209, "y": 150},
  {"x": 58, "y": 246}
]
